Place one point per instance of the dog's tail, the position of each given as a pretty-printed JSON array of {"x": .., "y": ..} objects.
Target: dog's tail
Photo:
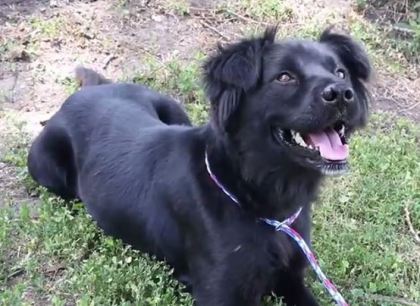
[{"x": 88, "y": 77}]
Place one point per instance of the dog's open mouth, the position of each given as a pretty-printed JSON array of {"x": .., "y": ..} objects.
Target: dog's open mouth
[{"x": 329, "y": 144}]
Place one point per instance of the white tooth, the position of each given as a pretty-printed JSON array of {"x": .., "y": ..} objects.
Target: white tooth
[
  {"x": 342, "y": 130},
  {"x": 300, "y": 140}
]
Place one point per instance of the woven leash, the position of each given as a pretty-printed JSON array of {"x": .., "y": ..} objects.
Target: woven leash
[{"x": 285, "y": 227}]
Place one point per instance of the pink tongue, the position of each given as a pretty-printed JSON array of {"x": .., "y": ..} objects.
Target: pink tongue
[{"x": 330, "y": 145}]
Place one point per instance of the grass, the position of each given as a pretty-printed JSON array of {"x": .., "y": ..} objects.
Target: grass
[
  {"x": 365, "y": 241},
  {"x": 400, "y": 21},
  {"x": 51, "y": 28},
  {"x": 388, "y": 52},
  {"x": 278, "y": 11},
  {"x": 56, "y": 253},
  {"x": 180, "y": 80},
  {"x": 53, "y": 253},
  {"x": 64, "y": 258}
]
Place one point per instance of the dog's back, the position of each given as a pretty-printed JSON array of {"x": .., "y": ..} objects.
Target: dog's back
[{"x": 100, "y": 106}]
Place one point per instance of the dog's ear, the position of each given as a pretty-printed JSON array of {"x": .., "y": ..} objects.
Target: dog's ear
[
  {"x": 353, "y": 56},
  {"x": 231, "y": 73}
]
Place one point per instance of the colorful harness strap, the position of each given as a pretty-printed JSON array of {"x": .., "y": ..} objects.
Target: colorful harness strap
[{"x": 285, "y": 227}]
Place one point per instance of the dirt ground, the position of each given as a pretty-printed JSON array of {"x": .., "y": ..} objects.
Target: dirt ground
[{"x": 43, "y": 41}]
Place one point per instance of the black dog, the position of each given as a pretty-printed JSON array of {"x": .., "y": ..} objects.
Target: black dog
[{"x": 280, "y": 116}]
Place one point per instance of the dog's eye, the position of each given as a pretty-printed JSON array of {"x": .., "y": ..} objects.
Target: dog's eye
[
  {"x": 340, "y": 73},
  {"x": 285, "y": 78}
]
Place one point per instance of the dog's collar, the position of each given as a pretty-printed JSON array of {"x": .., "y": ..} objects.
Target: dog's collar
[{"x": 284, "y": 226}]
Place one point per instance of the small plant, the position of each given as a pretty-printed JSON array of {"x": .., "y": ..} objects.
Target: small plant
[
  {"x": 267, "y": 9},
  {"x": 414, "y": 48},
  {"x": 179, "y": 80},
  {"x": 70, "y": 84},
  {"x": 399, "y": 25},
  {"x": 361, "y": 4},
  {"x": 360, "y": 235},
  {"x": 179, "y": 7},
  {"x": 48, "y": 28}
]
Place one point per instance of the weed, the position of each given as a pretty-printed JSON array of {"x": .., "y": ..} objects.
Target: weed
[
  {"x": 70, "y": 85},
  {"x": 360, "y": 236},
  {"x": 411, "y": 47},
  {"x": 177, "y": 79},
  {"x": 361, "y": 5},
  {"x": 371, "y": 252},
  {"x": 94, "y": 268},
  {"x": 55, "y": 254},
  {"x": 179, "y": 7},
  {"x": 48, "y": 28},
  {"x": 5, "y": 48},
  {"x": 400, "y": 25},
  {"x": 267, "y": 9}
]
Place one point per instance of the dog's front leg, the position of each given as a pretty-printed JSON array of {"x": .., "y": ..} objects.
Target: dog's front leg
[
  {"x": 229, "y": 288},
  {"x": 206, "y": 297},
  {"x": 294, "y": 292}
]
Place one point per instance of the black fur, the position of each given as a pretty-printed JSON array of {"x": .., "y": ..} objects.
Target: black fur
[{"x": 132, "y": 156}]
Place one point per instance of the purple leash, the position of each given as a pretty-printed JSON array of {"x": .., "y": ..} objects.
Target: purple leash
[{"x": 285, "y": 227}]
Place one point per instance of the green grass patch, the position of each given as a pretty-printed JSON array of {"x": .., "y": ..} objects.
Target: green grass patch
[
  {"x": 70, "y": 84},
  {"x": 360, "y": 230},
  {"x": 65, "y": 258},
  {"x": 179, "y": 80},
  {"x": 400, "y": 21},
  {"x": 50, "y": 28},
  {"x": 274, "y": 10},
  {"x": 387, "y": 51},
  {"x": 55, "y": 253}
]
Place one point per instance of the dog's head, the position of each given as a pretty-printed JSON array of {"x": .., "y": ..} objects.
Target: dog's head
[{"x": 290, "y": 102}]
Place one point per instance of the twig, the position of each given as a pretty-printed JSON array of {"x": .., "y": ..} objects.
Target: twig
[
  {"x": 206, "y": 25},
  {"x": 391, "y": 299},
  {"x": 157, "y": 58},
  {"x": 201, "y": 10},
  {"x": 55, "y": 270},
  {"x": 384, "y": 99},
  {"x": 411, "y": 106},
  {"x": 410, "y": 225},
  {"x": 406, "y": 31},
  {"x": 161, "y": 64},
  {"x": 247, "y": 19},
  {"x": 108, "y": 60},
  {"x": 15, "y": 273},
  {"x": 12, "y": 90}
]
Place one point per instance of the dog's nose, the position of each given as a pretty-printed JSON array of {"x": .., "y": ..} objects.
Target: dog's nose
[
  {"x": 334, "y": 93},
  {"x": 330, "y": 94},
  {"x": 348, "y": 95}
]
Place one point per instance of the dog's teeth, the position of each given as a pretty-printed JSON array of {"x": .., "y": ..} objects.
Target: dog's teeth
[
  {"x": 298, "y": 138},
  {"x": 280, "y": 134},
  {"x": 342, "y": 130}
]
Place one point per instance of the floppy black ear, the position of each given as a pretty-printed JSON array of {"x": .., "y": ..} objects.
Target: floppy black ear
[
  {"x": 353, "y": 56},
  {"x": 233, "y": 71}
]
